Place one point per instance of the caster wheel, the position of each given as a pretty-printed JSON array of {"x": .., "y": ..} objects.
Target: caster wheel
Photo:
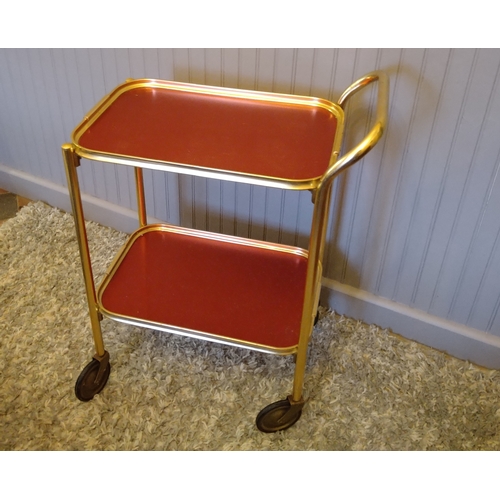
[
  {"x": 278, "y": 416},
  {"x": 86, "y": 387}
]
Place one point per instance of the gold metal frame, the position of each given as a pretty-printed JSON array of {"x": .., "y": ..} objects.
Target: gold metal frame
[{"x": 321, "y": 188}]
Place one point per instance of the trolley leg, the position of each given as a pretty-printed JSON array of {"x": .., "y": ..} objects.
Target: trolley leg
[
  {"x": 284, "y": 413},
  {"x": 95, "y": 375}
]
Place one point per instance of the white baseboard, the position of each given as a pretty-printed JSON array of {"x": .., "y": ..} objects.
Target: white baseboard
[
  {"x": 95, "y": 209},
  {"x": 456, "y": 339}
]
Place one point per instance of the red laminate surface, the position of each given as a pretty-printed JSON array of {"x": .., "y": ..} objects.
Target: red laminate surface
[
  {"x": 281, "y": 140},
  {"x": 231, "y": 290}
]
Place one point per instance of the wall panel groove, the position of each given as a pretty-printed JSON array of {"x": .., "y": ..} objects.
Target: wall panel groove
[
  {"x": 462, "y": 202},
  {"x": 464, "y": 150},
  {"x": 464, "y": 283},
  {"x": 427, "y": 252},
  {"x": 422, "y": 142}
]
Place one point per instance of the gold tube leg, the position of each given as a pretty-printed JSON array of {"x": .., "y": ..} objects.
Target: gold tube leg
[
  {"x": 71, "y": 162},
  {"x": 141, "y": 200},
  {"x": 313, "y": 284},
  {"x": 283, "y": 414},
  {"x": 301, "y": 356}
]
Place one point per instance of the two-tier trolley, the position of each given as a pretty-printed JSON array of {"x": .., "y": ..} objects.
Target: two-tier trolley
[{"x": 271, "y": 290}]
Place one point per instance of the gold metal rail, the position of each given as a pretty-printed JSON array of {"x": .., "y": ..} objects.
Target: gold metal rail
[
  {"x": 320, "y": 215},
  {"x": 71, "y": 162}
]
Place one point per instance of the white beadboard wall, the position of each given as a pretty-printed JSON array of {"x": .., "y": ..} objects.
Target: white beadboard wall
[{"x": 414, "y": 239}]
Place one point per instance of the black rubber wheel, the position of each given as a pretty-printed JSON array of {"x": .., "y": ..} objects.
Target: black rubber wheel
[
  {"x": 270, "y": 418},
  {"x": 86, "y": 387}
]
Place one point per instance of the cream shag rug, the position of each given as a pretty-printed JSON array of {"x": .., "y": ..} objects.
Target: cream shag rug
[{"x": 366, "y": 388}]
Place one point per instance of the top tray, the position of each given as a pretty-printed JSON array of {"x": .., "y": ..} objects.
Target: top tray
[{"x": 245, "y": 136}]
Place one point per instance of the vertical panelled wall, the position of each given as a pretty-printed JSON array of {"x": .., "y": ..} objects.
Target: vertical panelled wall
[{"x": 417, "y": 221}]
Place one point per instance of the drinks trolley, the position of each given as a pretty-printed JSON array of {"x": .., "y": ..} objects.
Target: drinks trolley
[{"x": 270, "y": 290}]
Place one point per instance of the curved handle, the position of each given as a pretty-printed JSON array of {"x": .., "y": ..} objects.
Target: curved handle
[{"x": 377, "y": 130}]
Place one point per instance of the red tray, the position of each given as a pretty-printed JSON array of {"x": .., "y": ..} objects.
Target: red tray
[
  {"x": 223, "y": 288},
  {"x": 288, "y": 139}
]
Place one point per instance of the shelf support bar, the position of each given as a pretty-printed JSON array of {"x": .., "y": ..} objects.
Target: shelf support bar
[{"x": 141, "y": 200}]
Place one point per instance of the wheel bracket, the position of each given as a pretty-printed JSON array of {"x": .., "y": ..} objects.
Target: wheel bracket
[
  {"x": 295, "y": 407},
  {"x": 103, "y": 364}
]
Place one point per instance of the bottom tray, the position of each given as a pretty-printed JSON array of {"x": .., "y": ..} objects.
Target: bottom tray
[{"x": 221, "y": 288}]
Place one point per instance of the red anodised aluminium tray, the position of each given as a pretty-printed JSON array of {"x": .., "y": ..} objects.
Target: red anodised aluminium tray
[
  {"x": 241, "y": 135},
  {"x": 222, "y": 288}
]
